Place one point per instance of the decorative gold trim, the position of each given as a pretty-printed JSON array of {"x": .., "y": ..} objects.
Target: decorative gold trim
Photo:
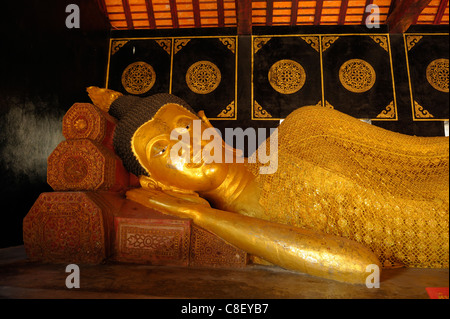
[
  {"x": 116, "y": 45},
  {"x": 259, "y": 112},
  {"x": 437, "y": 74},
  {"x": 327, "y": 42},
  {"x": 179, "y": 44},
  {"x": 357, "y": 75},
  {"x": 328, "y": 105},
  {"x": 287, "y": 76},
  {"x": 381, "y": 40},
  {"x": 138, "y": 78},
  {"x": 319, "y": 103},
  {"x": 412, "y": 40},
  {"x": 229, "y": 111},
  {"x": 258, "y": 43},
  {"x": 388, "y": 112},
  {"x": 230, "y": 43},
  {"x": 313, "y": 42},
  {"x": 166, "y": 44},
  {"x": 203, "y": 77},
  {"x": 420, "y": 112}
]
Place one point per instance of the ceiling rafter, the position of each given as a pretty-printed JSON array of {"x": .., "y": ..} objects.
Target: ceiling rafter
[
  {"x": 196, "y": 9},
  {"x": 318, "y": 13},
  {"x": 220, "y": 14},
  {"x": 150, "y": 13},
  {"x": 404, "y": 14},
  {"x": 440, "y": 12},
  {"x": 343, "y": 12},
  {"x": 126, "y": 9},
  {"x": 294, "y": 12},
  {"x": 174, "y": 14},
  {"x": 243, "y": 14}
]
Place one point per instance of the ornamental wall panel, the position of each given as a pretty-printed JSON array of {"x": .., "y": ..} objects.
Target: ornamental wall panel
[{"x": 396, "y": 82}]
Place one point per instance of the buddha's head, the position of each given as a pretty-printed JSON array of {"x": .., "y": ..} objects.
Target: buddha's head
[{"x": 143, "y": 141}]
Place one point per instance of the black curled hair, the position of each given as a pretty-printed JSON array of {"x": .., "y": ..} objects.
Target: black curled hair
[{"x": 132, "y": 112}]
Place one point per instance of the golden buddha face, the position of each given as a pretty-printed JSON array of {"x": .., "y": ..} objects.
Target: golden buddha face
[{"x": 154, "y": 148}]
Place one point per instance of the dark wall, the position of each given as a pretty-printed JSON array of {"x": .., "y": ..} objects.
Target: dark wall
[{"x": 45, "y": 68}]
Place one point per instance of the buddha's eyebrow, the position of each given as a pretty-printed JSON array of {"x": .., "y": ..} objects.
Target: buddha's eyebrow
[{"x": 161, "y": 125}]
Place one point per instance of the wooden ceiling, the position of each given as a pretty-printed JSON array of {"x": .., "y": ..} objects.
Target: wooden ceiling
[{"x": 243, "y": 14}]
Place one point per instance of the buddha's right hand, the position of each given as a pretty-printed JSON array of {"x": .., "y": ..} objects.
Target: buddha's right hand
[{"x": 180, "y": 205}]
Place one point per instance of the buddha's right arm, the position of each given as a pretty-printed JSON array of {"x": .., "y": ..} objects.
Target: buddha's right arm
[{"x": 285, "y": 246}]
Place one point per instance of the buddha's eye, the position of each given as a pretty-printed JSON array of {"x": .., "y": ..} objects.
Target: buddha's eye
[
  {"x": 184, "y": 124},
  {"x": 159, "y": 148}
]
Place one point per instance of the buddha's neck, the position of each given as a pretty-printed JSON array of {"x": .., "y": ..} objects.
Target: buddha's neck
[{"x": 238, "y": 193}]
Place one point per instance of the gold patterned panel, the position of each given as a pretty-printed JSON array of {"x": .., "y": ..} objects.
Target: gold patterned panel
[
  {"x": 258, "y": 43},
  {"x": 313, "y": 42},
  {"x": 230, "y": 43},
  {"x": 412, "y": 40},
  {"x": 116, "y": 45},
  {"x": 180, "y": 44},
  {"x": 328, "y": 41},
  {"x": 388, "y": 112},
  {"x": 420, "y": 112},
  {"x": 259, "y": 112},
  {"x": 229, "y": 111},
  {"x": 203, "y": 77},
  {"x": 138, "y": 78},
  {"x": 357, "y": 75},
  {"x": 287, "y": 76},
  {"x": 166, "y": 44},
  {"x": 382, "y": 40},
  {"x": 437, "y": 74}
]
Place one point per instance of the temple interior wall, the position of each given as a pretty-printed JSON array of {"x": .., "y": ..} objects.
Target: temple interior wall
[{"x": 250, "y": 81}]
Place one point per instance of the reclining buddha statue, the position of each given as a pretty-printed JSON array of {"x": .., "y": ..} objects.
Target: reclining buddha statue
[{"x": 345, "y": 194}]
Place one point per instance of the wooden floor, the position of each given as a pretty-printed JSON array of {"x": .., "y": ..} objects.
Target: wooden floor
[{"x": 20, "y": 279}]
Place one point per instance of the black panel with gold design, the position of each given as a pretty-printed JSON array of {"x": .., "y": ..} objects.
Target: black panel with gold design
[
  {"x": 204, "y": 74},
  {"x": 286, "y": 75},
  {"x": 428, "y": 66},
  {"x": 140, "y": 66},
  {"x": 357, "y": 75},
  {"x": 400, "y": 82}
]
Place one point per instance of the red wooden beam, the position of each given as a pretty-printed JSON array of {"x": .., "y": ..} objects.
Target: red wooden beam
[
  {"x": 196, "y": 8},
  {"x": 220, "y": 13},
  {"x": 404, "y": 14},
  {"x": 244, "y": 17},
  {"x": 150, "y": 13},
  {"x": 343, "y": 12},
  {"x": 269, "y": 12},
  {"x": 174, "y": 14},
  {"x": 368, "y": 3},
  {"x": 294, "y": 12},
  {"x": 318, "y": 13},
  {"x": 440, "y": 12},
  {"x": 126, "y": 10}
]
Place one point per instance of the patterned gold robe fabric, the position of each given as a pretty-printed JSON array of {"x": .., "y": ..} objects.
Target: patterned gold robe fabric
[{"x": 383, "y": 189}]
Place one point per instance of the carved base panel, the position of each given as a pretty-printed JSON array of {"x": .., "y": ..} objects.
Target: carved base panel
[
  {"x": 86, "y": 121},
  {"x": 145, "y": 236},
  {"x": 85, "y": 165},
  {"x": 92, "y": 227},
  {"x": 69, "y": 227}
]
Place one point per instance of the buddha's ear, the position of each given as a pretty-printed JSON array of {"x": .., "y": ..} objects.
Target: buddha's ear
[
  {"x": 148, "y": 182},
  {"x": 102, "y": 97}
]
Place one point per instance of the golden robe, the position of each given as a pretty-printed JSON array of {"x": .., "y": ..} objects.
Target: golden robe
[{"x": 344, "y": 177}]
